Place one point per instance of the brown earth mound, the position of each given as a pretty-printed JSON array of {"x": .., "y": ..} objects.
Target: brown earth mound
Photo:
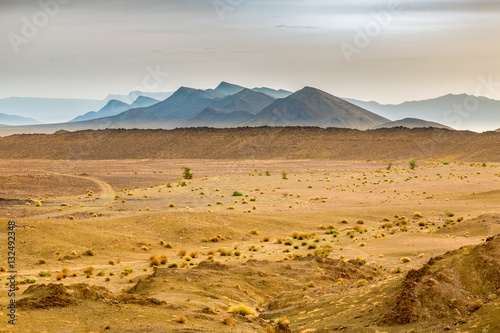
[
  {"x": 257, "y": 143},
  {"x": 450, "y": 286},
  {"x": 59, "y": 295}
]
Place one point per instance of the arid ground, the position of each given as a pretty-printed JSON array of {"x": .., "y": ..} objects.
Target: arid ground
[{"x": 252, "y": 245}]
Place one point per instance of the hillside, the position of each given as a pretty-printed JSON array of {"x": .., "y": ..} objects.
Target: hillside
[
  {"x": 246, "y": 100},
  {"x": 258, "y": 143},
  {"x": 11, "y": 120},
  {"x": 412, "y": 123},
  {"x": 112, "y": 108},
  {"x": 143, "y": 102},
  {"x": 449, "y": 110},
  {"x": 313, "y": 107},
  {"x": 211, "y": 117}
]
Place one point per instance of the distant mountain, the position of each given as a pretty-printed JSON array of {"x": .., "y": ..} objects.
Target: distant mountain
[
  {"x": 183, "y": 104},
  {"x": 143, "y": 102},
  {"x": 113, "y": 108},
  {"x": 226, "y": 89},
  {"x": 11, "y": 120},
  {"x": 133, "y": 95},
  {"x": 273, "y": 93},
  {"x": 210, "y": 117},
  {"x": 412, "y": 123},
  {"x": 231, "y": 111},
  {"x": 246, "y": 100},
  {"x": 47, "y": 110},
  {"x": 313, "y": 107},
  {"x": 457, "y": 111}
]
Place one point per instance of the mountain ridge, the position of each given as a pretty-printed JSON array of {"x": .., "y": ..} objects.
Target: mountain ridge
[
  {"x": 412, "y": 123},
  {"x": 313, "y": 107}
]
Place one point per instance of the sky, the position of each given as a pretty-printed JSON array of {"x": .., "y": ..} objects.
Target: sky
[{"x": 388, "y": 51}]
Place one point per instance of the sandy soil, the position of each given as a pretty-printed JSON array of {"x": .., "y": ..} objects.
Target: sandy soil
[{"x": 362, "y": 216}]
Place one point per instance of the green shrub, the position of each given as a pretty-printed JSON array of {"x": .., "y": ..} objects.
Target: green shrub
[
  {"x": 186, "y": 173},
  {"x": 237, "y": 194},
  {"x": 413, "y": 164},
  {"x": 44, "y": 273}
]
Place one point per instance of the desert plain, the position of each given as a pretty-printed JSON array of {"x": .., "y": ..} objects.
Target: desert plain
[{"x": 251, "y": 245}]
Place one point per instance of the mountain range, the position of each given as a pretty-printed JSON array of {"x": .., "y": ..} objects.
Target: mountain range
[
  {"x": 12, "y": 120},
  {"x": 457, "y": 111},
  {"x": 230, "y": 105},
  {"x": 115, "y": 107}
]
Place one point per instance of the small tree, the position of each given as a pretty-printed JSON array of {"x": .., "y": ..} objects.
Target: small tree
[
  {"x": 186, "y": 173},
  {"x": 389, "y": 166},
  {"x": 283, "y": 175},
  {"x": 413, "y": 164}
]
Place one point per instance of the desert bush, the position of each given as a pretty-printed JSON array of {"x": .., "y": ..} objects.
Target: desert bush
[
  {"x": 186, "y": 173},
  {"x": 89, "y": 271},
  {"x": 360, "y": 221},
  {"x": 344, "y": 221},
  {"x": 237, "y": 194},
  {"x": 283, "y": 175},
  {"x": 182, "y": 253},
  {"x": 154, "y": 261},
  {"x": 171, "y": 205},
  {"x": 42, "y": 262},
  {"x": 242, "y": 310},
  {"x": 413, "y": 164},
  {"x": 361, "y": 283},
  {"x": 254, "y": 231},
  {"x": 173, "y": 265},
  {"x": 44, "y": 273},
  {"x": 417, "y": 214},
  {"x": 311, "y": 246},
  {"x": 89, "y": 253},
  {"x": 30, "y": 280},
  {"x": 397, "y": 270}
]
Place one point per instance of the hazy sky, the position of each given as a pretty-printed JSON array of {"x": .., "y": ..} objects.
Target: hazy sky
[{"x": 388, "y": 51}]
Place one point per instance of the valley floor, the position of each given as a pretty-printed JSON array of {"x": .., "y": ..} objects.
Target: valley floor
[{"x": 313, "y": 246}]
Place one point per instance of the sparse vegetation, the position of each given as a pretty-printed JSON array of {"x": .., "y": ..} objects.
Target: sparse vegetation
[
  {"x": 186, "y": 173},
  {"x": 242, "y": 310}
]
